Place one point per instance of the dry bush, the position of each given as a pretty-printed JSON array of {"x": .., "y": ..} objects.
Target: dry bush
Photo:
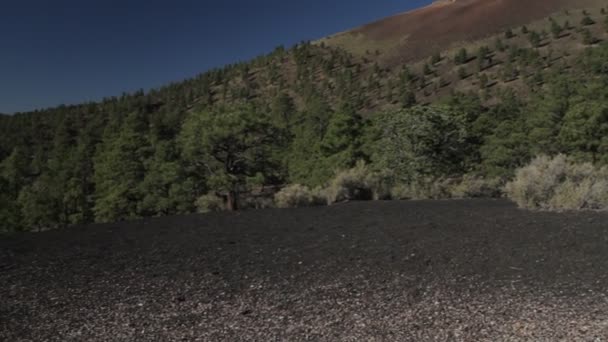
[
  {"x": 428, "y": 188},
  {"x": 380, "y": 183},
  {"x": 559, "y": 184},
  {"x": 477, "y": 187},
  {"x": 296, "y": 195},
  {"x": 446, "y": 188},
  {"x": 210, "y": 202},
  {"x": 358, "y": 183},
  {"x": 257, "y": 202}
]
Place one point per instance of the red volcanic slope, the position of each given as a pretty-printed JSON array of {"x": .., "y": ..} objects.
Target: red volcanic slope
[{"x": 419, "y": 33}]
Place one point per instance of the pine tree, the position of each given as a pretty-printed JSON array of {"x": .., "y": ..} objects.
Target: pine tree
[
  {"x": 10, "y": 213},
  {"x": 340, "y": 146},
  {"x": 165, "y": 188},
  {"x": 587, "y": 21},
  {"x": 462, "y": 56},
  {"x": 119, "y": 169},
  {"x": 585, "y": 130},
  {"x": 534, "y": 39},
  {"x": 283, "y": 110},
  {"x": 556, "y": 29},
  {"x": 231, "y": 146},
  {"x": 462, "y": 73}
]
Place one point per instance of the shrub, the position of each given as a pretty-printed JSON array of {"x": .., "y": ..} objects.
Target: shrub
[
  {"x": 296, "y": 195},
  {"x": 210, "y": 202},
  {"x": 535, "y": 183},
  {"x": 586, "y": 21},
  {"x": 381, "y": 182},
  {"x": 588, "y": 38},
  {"x": 477, "y": 187},
  {"x": 462, "y": 73},
  {"x": 257, "y": 202},
  {"x": 427, "y": 188},
  {"x": 558, "y": 184},
  {"x": 462, "y": 56},
  {"x": 353, "y": 184}
]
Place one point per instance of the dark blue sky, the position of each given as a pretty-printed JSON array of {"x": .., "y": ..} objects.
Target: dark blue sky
[{"x": 70, "y": 51}]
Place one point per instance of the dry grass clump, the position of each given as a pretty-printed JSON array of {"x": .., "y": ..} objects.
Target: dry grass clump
[
  {"x": 352, "y": 184},
  {"x": 296, "y": 195},
  {"x": 256, "y": 202},
  {"x": 429, "y": 188},
  {"x": 559, "y": 184},
  {"x": 446, "y": 188},
  {"x": 209, "y": 202},
  {"x": 362, "y": 183},
  {"x": 477, "y": 187}
]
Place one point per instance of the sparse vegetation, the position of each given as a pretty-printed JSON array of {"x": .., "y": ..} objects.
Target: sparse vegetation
[
  {"x": 471, "y": 186},
  {"x": 462, "y": 56},
  {"x": 534, "y": 38},
  {"x": 296, "y": 195},
  {"x": 586, "y": 21},
  {"x": 297, "y": 115},
  {"x": 357, "y": 183},
  {"x": 559, "y": 184},
  {"x": 210, "y": 202}
]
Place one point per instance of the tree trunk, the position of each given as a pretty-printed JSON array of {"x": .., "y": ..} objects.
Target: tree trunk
[{"x": 232, "y": 204}]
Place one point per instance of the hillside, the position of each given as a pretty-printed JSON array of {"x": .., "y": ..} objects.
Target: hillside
[
  {"x": 487, "y": 96},
  {"x": 443, "y": 25},
  {"x": 386, "y": 271}
]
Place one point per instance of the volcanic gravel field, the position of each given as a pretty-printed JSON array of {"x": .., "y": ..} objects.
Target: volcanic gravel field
[{"x": 474, "y": 270}]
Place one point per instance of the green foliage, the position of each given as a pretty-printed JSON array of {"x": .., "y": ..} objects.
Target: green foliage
[
  {"x": 232, "y": 147},
  {"x": 296, "y": 195},
  {"x": 534, "y": 38},
  {"x": 341, "y": 144},
  {"x": 584, "y": 132},
  {"x": 483, "y": 81},
  {"x": 461, "y": 57},
  {"x": 587, "y": 21},
  {"x": 10, "y": 213},
  {"x": 509, "y": 72},
  {"x": 506, "y": 147},
  {"x": 40, "y": 204},
  {"x": 462, "y": 73},
  {"x": 556, "y": 29},
  {"x": 588, "y": 38},
  {"x": 356, "y": 184},
  {"x": 471, "y": 186},
  {"x": 165, "y": 188},
  {"x": 422, "y": 141},
  {"x": 119, "y": 167},
  {"x": 15, "y": 170},
  {"x": 209, "y": 203},
  {"x": 436, "y": 58},
  {"x": 156, "y": 153},
  {"x": 427, "y": 69},
  {"x": 408, "y": 98},
  {"x": 499, "y": 45},
  {"x": 283, "y": 110},
  {"x": 482, "y": 57}
]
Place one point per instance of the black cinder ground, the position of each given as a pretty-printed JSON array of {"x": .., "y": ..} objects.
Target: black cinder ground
[{"x": 474, "y": 270}]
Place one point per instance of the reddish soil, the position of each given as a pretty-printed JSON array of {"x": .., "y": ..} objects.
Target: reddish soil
[
  {"x": 441, "y": 25},
  {"x": 478, "y": 270}
]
